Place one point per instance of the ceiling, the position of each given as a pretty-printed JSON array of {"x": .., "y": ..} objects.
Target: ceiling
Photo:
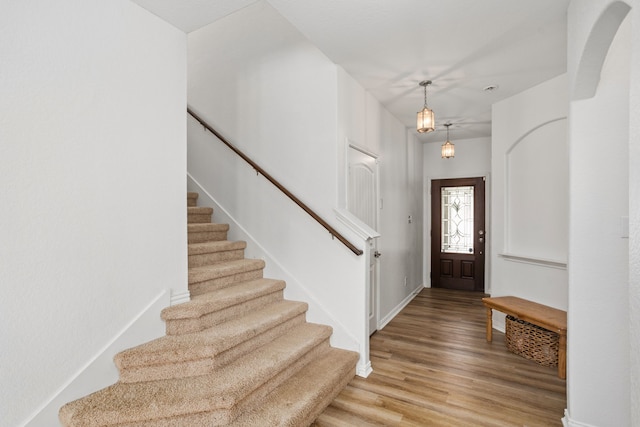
[{"x": 389, "y": 46}]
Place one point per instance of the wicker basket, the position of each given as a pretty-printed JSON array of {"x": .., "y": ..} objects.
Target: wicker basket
[{"x": 531, "y": 341}]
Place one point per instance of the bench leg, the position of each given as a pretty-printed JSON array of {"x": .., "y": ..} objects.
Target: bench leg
[
  {"x": 489, "y": 324},
  {"x": 562, "y": 357}
]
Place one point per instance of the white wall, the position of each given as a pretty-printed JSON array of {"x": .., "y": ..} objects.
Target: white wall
[
  {"x": 599, "y": 333},
  {"x": 529, "y": 199},
  {"x": 364, "y": 122},
  {"x": 92, "y": 173},
  {"x": 634, "y": 220},
  {"x": 259, "y": 82},
  {"x": 253, "y": 76},
  {"x": 472, "y": 159}
]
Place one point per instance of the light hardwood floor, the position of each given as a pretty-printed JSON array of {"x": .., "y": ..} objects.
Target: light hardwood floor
[{"x": 432, "y": 366}]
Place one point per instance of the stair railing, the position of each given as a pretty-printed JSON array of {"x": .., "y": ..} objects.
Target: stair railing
[{"x": 334, "y": 233}]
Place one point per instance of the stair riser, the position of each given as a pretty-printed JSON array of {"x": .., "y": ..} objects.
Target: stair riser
[
  {"x": 212, "y": 364},
  {"x": 239, "y": 357},
  {"x": 256, "y": 342},
  {"x": 201, "y": 288},
  {"x": 321, "y": 404},
  {"x": 226, "y": 416},
  {"x": 206, "y": 236},
  {"x": 215, "y": 257},
  {"x": 187, "y": 326},
  {"x": 198, "y": 218},
  {"x": 171, "y": 351},
  {"x": 217, "y": 271},
  {"x": 190, "y": 368},
  {"x": 192, "y": 198},
  {"x": 306, "y": 394},
  {"x": 201, "y": 419},
  {"x": 263, "y": 391}
]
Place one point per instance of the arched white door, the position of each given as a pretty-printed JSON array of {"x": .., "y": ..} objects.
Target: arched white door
[{"x": 362, "y": 201}]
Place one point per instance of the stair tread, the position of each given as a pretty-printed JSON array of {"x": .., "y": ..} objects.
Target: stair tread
[
  {"x": 305, "y": 394},
  {"x": 207, "y": 226},
  {"x": 222, "y": 298},
  {"x": 199, "y": 209},
  {"x": 236, "y": 354},
  {"x": 215, "y": 246},
  {"x": 222, "y": 269},
  {"x": 131, "y": 402},
  {"x": 210, "y": 342}
]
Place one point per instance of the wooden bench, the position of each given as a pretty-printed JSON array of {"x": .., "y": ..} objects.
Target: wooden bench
[{"x": 546, "y": 317}]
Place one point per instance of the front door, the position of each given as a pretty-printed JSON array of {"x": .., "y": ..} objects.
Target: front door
[{"x": 458, "y": 233}]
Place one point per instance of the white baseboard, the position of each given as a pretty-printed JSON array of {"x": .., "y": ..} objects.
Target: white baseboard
[
  {"x": 180, "y": 297},
  {"x": 385, "y": 320},
  {"x": 363, "y": 370},
  {"x": 100, "y": 371},
  {"x": 568, "y": 422}
]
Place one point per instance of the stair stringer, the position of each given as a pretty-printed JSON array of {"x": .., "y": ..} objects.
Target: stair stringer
[
  {"x": 295, "y": 290},
  {"x": 100, "y": 371}
]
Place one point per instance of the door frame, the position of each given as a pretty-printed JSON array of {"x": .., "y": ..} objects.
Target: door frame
[{"x": 426, "y": 241}]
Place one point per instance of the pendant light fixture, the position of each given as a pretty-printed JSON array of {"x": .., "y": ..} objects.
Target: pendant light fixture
[
  {"x": 426, "y": 118},
  {"x": 448, "y": 149}
]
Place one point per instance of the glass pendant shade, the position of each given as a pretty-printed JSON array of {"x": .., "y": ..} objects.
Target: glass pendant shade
[
  {"x": 426, "y": 120},
  {"x": 448, "y": 150}
]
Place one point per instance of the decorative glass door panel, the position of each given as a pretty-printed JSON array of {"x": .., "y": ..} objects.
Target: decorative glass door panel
[{"x": 457, "y": 219}]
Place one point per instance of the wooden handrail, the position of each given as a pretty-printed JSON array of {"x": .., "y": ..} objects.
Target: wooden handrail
[{"x": 258, "y": 169}]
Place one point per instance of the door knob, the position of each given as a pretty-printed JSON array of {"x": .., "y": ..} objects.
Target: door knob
[{"x": 377, "y": 254}]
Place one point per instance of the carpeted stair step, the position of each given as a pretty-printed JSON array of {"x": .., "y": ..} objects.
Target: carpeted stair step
[
  {"x": 236, "y": 354},
  {"x": 206, "y": 232},
  {"x": 192, "y": 199},
  {"x": 177, "y": 356},
  {"x": 207, "y": 253},
  {"x": 205, "y": 400},
  {"x": 301, "y": 399},
  {"x": 211, "y": 277},
  {"x": 218, "y": 306},
  {"x": 199, "y": 215}
]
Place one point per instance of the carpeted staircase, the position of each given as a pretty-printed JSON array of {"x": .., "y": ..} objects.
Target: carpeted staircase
[{"x": 237, "y": 354}]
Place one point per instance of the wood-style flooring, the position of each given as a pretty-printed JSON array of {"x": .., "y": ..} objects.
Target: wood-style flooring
[{"x": 432, "y": 366}]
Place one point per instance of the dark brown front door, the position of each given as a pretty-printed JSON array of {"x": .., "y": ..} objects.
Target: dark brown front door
[{"x": 458, "y": 233}]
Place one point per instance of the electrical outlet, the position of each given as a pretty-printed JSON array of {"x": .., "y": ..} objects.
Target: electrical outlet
[{"x": 405, "y": 281}]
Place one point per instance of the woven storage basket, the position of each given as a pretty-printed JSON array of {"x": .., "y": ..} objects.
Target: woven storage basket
[{"x": 531, "y": 341}]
